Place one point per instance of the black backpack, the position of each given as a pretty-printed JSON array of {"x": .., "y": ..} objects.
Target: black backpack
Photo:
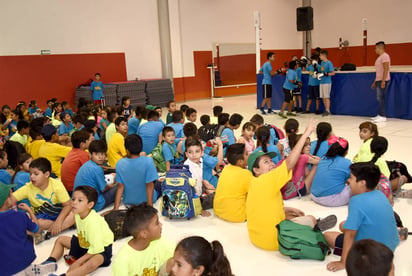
[{"x": 208, "y": 132}]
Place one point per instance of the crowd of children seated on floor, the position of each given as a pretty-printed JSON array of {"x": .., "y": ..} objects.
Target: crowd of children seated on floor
[{"x": 57, "y": 161}]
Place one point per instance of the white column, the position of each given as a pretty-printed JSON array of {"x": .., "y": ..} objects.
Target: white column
[{"x": 164, "y": 35}]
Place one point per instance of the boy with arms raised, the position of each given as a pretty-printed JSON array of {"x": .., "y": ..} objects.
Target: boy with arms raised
[
  {"x": 147, "y": 252},
  {"x": 370, "y": 215}
]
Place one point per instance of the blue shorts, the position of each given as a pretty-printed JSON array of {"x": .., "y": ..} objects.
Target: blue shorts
[{"x": 77, "y": 252}]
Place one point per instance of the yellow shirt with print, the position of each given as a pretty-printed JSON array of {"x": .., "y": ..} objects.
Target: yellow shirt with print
[
  {"x": 32, "y": 147},
  {"x": 116, "y": 149},
  {"x": 93, "y": 232},
  {"x": 55, "y": 193},
  {"x": 55, "y": 153},
  {"x": 230, "y": 197},
  {"x": 264, "y": 206},
  {"x": 142, "y": 263}
]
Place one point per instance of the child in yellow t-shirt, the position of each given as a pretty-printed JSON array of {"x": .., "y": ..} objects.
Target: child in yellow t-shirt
[
  {"x": 48, "y": 198},
  {"x": 115, "y": 148},
  {"x": 264, "y": 204},
  {"x": 231, "y": 191},
  {"x": 92, "y": 248},
  {"x": 367, "y": 131},
  {"x": 147, "y": 252}
]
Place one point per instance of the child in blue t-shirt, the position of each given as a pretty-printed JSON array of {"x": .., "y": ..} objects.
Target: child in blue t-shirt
[
  {"x": 228, "y": 134},
  {"x": 320, "y": 147},
  {"x": 134, "y": 121},
  {"x": 297, "y": 92},
  {"x": 97, "y": 88},
  {"x": 325, "y": 76},
  {"x": 151, "y": 132},
  {"x": 91, "y": 174},
  {"x": 169, "y": 149},
  {"x": 22, "y": 175},
  {"x": 177, "y": 123},
  {"x": 370, "y": 215},
  {"x": 32, "y": 107},
  {"x": 313, "y": 85},
  {"x": 17, "y": 250},
  {"x": 263, "y": 143},
  {"x": 135, "y": 175},
  {"x": 267, "y": 72},
  {"x": 49, "y": 111},
  {"x": 291, "y": 82},
  {"x": 66, "y": 108},
  {"x": 66, "y": 126},
  {"x": 5, "y": 175}
]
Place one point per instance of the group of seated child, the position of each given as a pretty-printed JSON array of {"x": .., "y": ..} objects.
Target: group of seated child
[{"x": 60, "y": 171}]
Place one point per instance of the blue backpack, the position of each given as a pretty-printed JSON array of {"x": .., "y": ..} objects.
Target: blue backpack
[{"x": 179, "y": 197}]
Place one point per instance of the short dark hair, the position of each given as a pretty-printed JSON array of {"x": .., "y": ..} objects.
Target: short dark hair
[
  {"x": 140, "y": 110},
  {"x": 366, "y": 171},
  {"x": 79, "y": 137},
  {"x": 79, "y": 118},
  {"x": 133, "y": 143},
  {"x": 235, "y": 152},
  {"x": 223, "y": 118},
  {"x": 380, "y": 43},
  {"x": 257, "y": 119},
  {"x": 89, "y": 192},
  {"x": 97, "y": 146},
  {"x": 324, "y": 52},
  {"x": 169, "y": 103},
  {"x": 369, "y": 258},
  {"x": 190, "y": 110},
  {"x": 189, "y": 129},
  {"x": 152, "y": 115},
  {"x": 318, "y": 49},
  {"x": 41, "y": 164},
  {"x": 235, "y": 119},
  {"x": 138, "y": 218},
  {"x": 112, "y": 114},
  {"x": 184, "y": 108},
  {"x": 22, "y": 124},
  {"x": 269, "y": 55},
  {"x": 292, "y": 64},
  {"x": 97, "y": 74},
  {"x": 193, "y": 141},
  {"x": 167, "y": 129},
  {"x": 64, "y": 103},
  {"x": 177, "y": 116},
  {"x": 217, "y": 109},
  {"x": 125, "y": 98},
  {"x": 204, "y": 119},
  {"x": 119, "y": 120}
]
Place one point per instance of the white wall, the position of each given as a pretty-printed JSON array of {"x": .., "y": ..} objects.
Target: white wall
[
  {"x": 196, "y": 24},
  {"x": 387, "y": 20},
  {"x": 79, "y": 26}
]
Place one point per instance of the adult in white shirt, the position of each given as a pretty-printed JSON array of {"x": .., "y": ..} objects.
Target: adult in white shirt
[{"x": 382, "y": 79}]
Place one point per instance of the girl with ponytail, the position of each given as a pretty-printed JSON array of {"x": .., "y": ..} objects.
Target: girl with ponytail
[
  {"x": 263, "y": 143},
  {"x": 321, "y": 147},
  {"x": 291, "y": 128},
  {"x": 195, "y": 256},
  {"x": 329, "y": 185}
]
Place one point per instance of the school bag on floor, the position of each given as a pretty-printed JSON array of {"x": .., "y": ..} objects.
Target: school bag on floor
[
  {"x": 179, "y": 194},
  {"x": 158, "y": 158},
  {"x": 115, "y": 220},
  {"x": 301, "y": 241}
]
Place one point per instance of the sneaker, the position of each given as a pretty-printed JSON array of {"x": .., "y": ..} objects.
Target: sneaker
[
  {"x": 263, "y": 111},
  {"x": 42, "y": 236},
  {"x": 69, "y": 259},
  {"x": 291, "y": 114},
  {"x": 375, "y": 118},
  {"x": 326, "y": 223},
  {"x": 281, "y": 114},
  {"x": 404, "y": 194},
  {"x": 317, "y": 112},
  {"x": 270, "y": 111},
  {"x": 326, "y": 113},
  {"x": 380, "y": 120},
  {"x": 40, "y": 269},
  {"x": 306, "y": 112},
  {"x": 403, "y": 233}
]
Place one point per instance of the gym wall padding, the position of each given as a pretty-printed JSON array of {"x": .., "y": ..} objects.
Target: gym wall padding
[{"x": 37, "y": 77}]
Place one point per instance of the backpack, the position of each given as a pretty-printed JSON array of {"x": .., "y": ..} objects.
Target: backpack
[
  {"x": 115, "y": 220},
  {"x": 279, "y": 133},
  {"x": 291, "y": 190},
  {"x": 179, "y": 194},
  {"x": 301, "y": 241},
  {"x": 208, "y": 132},
  {"x": 158, "y": 158}
]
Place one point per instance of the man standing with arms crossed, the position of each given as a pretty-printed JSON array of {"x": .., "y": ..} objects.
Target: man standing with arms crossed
[{"x": 382, "y": 79}]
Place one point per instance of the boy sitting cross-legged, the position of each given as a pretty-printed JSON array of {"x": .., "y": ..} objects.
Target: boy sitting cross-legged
[
  {"x": 370, "y": 215},
  {"x": 92, "y": 248},
  {"x": 147, "y": 252}
]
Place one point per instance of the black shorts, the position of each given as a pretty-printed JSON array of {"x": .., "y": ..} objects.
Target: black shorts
[
  {"x": 313, "y": 92},
  {"x": 267, "y": 91},
  {"x": 297, "y": 91},
  {"x": 288, "y": 95},
  {"x": 77, "y": 251},
  {"x": 338, "y": 245}
]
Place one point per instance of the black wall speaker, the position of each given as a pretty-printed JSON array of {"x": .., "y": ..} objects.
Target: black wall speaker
[{"x": 304, "y": 18}]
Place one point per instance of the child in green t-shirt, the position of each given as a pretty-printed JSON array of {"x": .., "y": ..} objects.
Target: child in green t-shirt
[{"x": 147, "y": 252}]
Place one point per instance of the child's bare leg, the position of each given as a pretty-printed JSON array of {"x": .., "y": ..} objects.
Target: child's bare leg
[
  {"x": 396, "y": 183},
  {"x": 317, "y": 105},
  {"x": 300, "y": 101},
  {"x": 88, "y": 267},
  {"x": 59, "y": 245},
  {"x": 331, "y": 238},
  {"x": 326, "y": 101},
  {"x": 290, "y": 107},
  {"x": 309, "y": 103},
  {"x": 309, "y": 178},
  {"x": 284, "y": 105}
]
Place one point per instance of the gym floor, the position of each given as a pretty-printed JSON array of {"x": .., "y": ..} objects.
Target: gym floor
[{"x": 245, "y": 258}]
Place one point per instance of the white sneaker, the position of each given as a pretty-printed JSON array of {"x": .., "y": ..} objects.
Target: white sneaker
[
  {"x": 375, "y": 118},
  {"x": 380, "y": 120}
]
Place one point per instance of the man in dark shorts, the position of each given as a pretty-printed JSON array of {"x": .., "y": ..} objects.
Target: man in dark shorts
[
  {"x": 313, "y": 85},
  {"x": 268, "y": 72}
]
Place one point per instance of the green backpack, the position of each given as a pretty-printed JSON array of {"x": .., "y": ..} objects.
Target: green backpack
[
  {"x": 158, "y": 158},
  {"x": 301, "y": 241}
]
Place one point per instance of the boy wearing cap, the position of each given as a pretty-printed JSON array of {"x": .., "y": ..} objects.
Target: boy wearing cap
[
  {"x": 52, "y": 150},
  {"x": 17, "y": 250},
  {"x": 264, "y": 204}
]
